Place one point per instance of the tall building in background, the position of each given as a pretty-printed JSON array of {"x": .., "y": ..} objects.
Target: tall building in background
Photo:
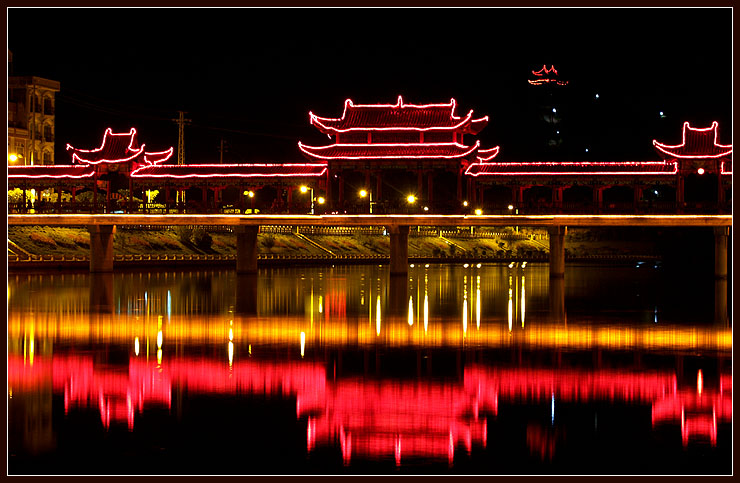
[
  {"x": 548, "y": 102},
  {"x": 31, "y": 106}
]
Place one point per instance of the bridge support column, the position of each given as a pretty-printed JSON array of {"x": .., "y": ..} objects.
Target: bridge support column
[
  {"x": 721, "y": 234},
  {"x": 399, "y": 249},
  {"x": 101, "y": 247},
  {"x": 246, "y": 249},
  {"x": 557, "y": 250}
]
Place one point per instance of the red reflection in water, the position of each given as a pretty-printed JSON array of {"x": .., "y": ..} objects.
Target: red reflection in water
[{"x": 372, "y": 418}]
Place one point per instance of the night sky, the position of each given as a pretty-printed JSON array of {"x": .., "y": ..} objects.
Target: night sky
[{"x": 250, "y": 76}]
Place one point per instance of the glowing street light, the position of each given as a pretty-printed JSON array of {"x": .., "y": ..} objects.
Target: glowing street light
[
  {"x": 306, "y": 189},
  {"x": 250, "y": 194},
  {"x": 411, "y": 199},
  {"x": 12, "y": 158},
  {"x": 478, "y": 211},
  {"x": 700, "y": 170},
  {"x": 511, "y": 207},
  {"x": 321, "y": 200},
  {"x": 465, "y": 203},
  {"x": 367, "y": 194}
]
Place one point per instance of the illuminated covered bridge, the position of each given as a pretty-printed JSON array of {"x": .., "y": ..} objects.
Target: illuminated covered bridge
[{"x": 384, "y": 158}]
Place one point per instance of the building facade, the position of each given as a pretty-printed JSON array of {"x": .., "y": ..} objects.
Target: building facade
[{"x": 31, "y": 127}]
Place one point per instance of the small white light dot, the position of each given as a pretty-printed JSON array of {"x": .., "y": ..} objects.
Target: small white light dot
[
  {"x": 661, "y": 113},
  {"x": 554, "y": 110},
  {"x": 586, "y": 149},
  {"x": 557, "y": 132},
  {"x": 597, "y": 96}
]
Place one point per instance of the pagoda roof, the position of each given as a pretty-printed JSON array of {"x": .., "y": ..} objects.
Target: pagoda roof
[
  {"x": 571, "y": 168},
  {"x": 488, "y": 154},
  {"x": 546, "y": 76},
  {"x": 696, "y": 143},
  {"x": 399, "y": 117},
  {"x": 51, "y": 171},
  {"x": 274, "y": 170},
  {"x": 389, "y": 151},
  {"x": 119, "y": 148}
]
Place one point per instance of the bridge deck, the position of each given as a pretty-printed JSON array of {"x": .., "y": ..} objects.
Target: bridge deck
[{"x": 372, "y": 220}]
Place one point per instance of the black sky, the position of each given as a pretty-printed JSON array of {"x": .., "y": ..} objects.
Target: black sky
[{"x": 251, "y": 75}]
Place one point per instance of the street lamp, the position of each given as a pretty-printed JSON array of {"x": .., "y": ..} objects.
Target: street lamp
[
  {"x": 367, "y": 194},
  {"x": 306, "y": 189},
  {"x": 411, "y": 199},
  {"x": 478, "y": 211}
]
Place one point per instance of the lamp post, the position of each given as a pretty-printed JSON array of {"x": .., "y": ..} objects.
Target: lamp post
[
  {"x": 306, "y": 189},
  {"x": 366, "y": 194}
]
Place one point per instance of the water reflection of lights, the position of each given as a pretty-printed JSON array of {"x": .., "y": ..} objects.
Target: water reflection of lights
[
  {"x": 342, "y": 331},
  {"x": 303, "y": 343},
  {"x": 411, "y": 310},
  {"x": 369, "y": 417},
  {"x": 465, "y": 306}
]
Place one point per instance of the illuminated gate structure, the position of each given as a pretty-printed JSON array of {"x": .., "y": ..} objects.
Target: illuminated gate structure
[
  {"x": 400, "y": 141},
  {"x": 399, "y": 145}
]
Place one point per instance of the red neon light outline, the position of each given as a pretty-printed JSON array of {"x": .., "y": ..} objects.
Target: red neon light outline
[
  {"x": 108, "y": 132},
  {"x": 494, "y": 152},
  {"x": 132, "y": 133},
  {"x": 319, "y": 121},
  {"x": 722, "y": 168},
  {"x": 470, "y": 149},
  {"x": 544, "y": 70},
  {"x": 58, "y": 176},
  {"x": 686, "y": 127},
  {"x": 135, "y": 173},
  {"x": 168, "y": 154},
  {"x": 575, "y": 163}
]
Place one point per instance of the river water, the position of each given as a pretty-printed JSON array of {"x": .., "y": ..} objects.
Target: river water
[{"x": 488, "y": 369}]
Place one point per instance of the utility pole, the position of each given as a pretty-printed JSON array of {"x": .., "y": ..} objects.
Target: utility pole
[
  {"x": 224, "y": 148},
  {"x": 181, "y": 121}
]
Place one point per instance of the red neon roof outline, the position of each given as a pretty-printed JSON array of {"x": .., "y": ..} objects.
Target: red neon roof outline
[
  {"x": 321, "y": 121},
  {"x": 469, "y": 149},
  {"x": 151, "y": 158},
  {"x": 574, "y": 163},
  {"x": 15, "y": 171},
  {"x": 158, "y": 157},
  {"x": 544, "y": 70},
  {"x": 135, "y": 173},
  {"x": 488, "y": 154},
  {"x": 666, "y": 148},
  {"x": 722, "y": 168}
]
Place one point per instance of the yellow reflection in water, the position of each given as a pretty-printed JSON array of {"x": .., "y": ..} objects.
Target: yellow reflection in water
[
  {"x": 522, "y": 300},
  {"x": 231, "y": 353}
]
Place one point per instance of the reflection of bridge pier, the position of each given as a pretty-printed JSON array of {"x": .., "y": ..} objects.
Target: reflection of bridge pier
[
  {"x": 721, "y": 236},
  {"x": 398, "y": 294},
  {"x": 246, "y": 294},
  {"x": 101, "y": 292},
  {"x": 246, "y": 248},
  {"x": 556, "y": 294}
]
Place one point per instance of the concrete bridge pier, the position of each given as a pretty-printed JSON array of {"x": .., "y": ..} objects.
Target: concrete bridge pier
[
  {"x": 399, "y": 249},
  {"x": 246, "y": 249},
  {"x": 557, "y": 250},
  {"x": 101, "y": 247}
]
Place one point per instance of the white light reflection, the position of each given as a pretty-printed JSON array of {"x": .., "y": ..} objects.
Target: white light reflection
[
  {"x": 465, "y": 305},
  {"x": 231, "y": 353},
  {"x": 477, "y": 302},
  {"x": 377, "y": 315},
  {"x": 136, "y": 346},
  {"x": 510, "y": 306},
  {"x": 552, "y": 409},
  {"x": 169, "y": 305},
  {"x": 303, "y": 343},
  {"x": 321, "y": 304},
  {"x": 411, "y": 311},
  {"x": 426, "y": 303}
]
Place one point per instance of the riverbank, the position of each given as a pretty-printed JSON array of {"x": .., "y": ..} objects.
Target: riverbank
[{"x": 42, "y": 247}]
